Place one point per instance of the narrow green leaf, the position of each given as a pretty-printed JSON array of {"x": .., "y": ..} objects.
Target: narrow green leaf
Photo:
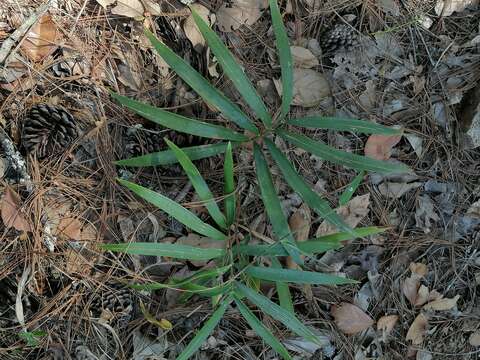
[
  {"x": 299, "y": 185},
  {"x": 295, "y": 276},
  {"x": 261, "y": 329},
  {"x": 200, "y": 275},
  {"x": 351, "y": 188},
  {"x": 284, "y": 55},
  {"x": 201, "y": 86},
  {"x": 283, "y": 290},
  {"x": 278, "y": 313},
  {"x": 167, "y": 157},
  {"x": 341, "y": 124},
  {"x": 206, "y": 330},
  {"x": 207, "y": 291},
  {"x": 273, "y": 207},
  {"x": 341, "y": 157},
  {"x": 312, "y": 246},
  {"x": 175, "y": 210},
  {"x": 229, "y": 186},
  {"x": 233, "y": 70},
  {"x": 199, "y": 185},
  {"x": 178, "y": 122},
  {"x": 176, "y": 251}
]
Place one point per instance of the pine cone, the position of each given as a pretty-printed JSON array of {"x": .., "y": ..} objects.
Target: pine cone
[
  {"x": 48, "y": 129},
  {"x": 114, "y": 297},
  {"x": 341, "y": 37},
  {"x": 143, "y": 142}
]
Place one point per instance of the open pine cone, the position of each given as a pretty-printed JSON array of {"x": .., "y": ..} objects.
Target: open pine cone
[
  {"x": 48, "y": 129},
  {"x": 340, "y": 37}
]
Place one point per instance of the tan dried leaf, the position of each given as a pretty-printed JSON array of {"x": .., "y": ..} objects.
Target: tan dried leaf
[
  {"x": 309, "y": 87},
  {"x": 474, "y": 339},
  {"x": 386, "y": 323},
  {"x": 190, "y": 27},
  {"x": 105, "y": 3},
  {"x": 418, "y": 329},
  {"x": 418, "y": 268},
  {"x": 422, "y": 295},
  {"x": 70, "y": 228},
  {"x": 12, "y": 214},
  {"x": 352, "y": 213},
  {"x": 303, "y": 58},
  {"x": 236, "y": 13},
  {"x": 152, "y": 7},
  {"x": 410, "y": 288},
  {"x": 129, "y": 8},
  {"x": 448, "y": 7},
  {"x": 442, "y": 304},
  {"x": 300, "y": 224},
  {"x": 350, "y": 319},
  {"x": 380, "y": 146},
  {"x": 41, "y": 39}
]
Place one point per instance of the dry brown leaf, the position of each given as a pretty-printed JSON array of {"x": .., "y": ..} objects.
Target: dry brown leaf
[
  {"x": 309, "y": 87},
  {"x": 352, "y": 213},
  {"x": 201, "y": 242},
  {"x": 386, "y": 323},
  {"x": 303, "y": 58},
  {"x": 380, "y": 146},
  {"x": 442, "y": 304},
  {"x": 41, "y": 40},
  {"x": 434, "y": 295},
  {"x": 474, "y": 339},
  {"x": 350, "y": 319},
  {"x": 422, "y": 295},
  {"x": 300, "y": 224},
  {"x": 12, "y": 214},
  {"x": 105, "y": 3},
  {"x": 418, "y": 268},
  {"x": 190, "y": 27},
  {"x": 448, "y": 7},
  {"x": 129, "y": 8},
  {"x": 418, "y": 329},
  {"x": 410, "y": 288},
  {"x": 152, "y": 7},
  {"x": 236, "y": 13},
  {"x": 70, "y": 228}
]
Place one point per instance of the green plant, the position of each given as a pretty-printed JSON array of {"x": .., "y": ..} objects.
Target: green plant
[{"x": 237, "y": 274}]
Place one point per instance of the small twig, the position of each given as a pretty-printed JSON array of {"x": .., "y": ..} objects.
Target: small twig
[{"x": 8, "y": 44}]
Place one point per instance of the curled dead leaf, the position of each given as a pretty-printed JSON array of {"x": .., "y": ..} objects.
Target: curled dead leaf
[
  {"x": 129, "y": 8},
  {"x": 236, "y": 13},
  {"x": 190, "y": 27},
  {"x": 418, "y": 329},
  {"x": 300, "y": 224},
  {"x": 442, "y": 304},
  {"x": 303, "y": 57},
  {"x": 410, "y": 288},
  {"x": 12, "y": 214},
  {"x": 418, "y": 268},
  {"x": 70, "y": 228},
  {"x": 380, "y": 146},
  {"x": 350, "y": 319},
  {"x": 422, "y": 295},
  {"x": 386, "y": 323},
  {"x": 41, "y": 40}
]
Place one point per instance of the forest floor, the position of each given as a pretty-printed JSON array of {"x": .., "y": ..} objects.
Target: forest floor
[{"x": 407, "y": 63}]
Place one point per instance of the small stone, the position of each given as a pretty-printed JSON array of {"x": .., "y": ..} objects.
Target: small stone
[{"x": 474, "y": 339}]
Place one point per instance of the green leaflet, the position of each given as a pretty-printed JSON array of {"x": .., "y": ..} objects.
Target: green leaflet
[
  {"x": 340, "y": 157},
  {"x": 175, "y": 210},
  {"x": 273, "y": 207},
  {"x": 178, "y": 122},
  {"x": 233, "y": 70},
  {"x": 229, "y": 186},
  {"x": 201, "y": 86},
  {"x": 283, "y": 291},
  {"x": 199, "y": 184},
  {"x": 284, "y": 55},
  {"x": 351, "y": 188},
  {"x": 353, "y": 125}
]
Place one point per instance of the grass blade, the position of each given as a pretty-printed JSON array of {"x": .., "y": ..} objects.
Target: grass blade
[
  {"x": 206, "y": 330},
  {"x": 199, "y": 185},
  {"x": 273, "y": 207},
  {"x": 351, "y": 188},
  {"x": 283, "y": 290},
  {"x": 353, "y": 125},
  {"x": 178, "y": 122},
  {"x": 341, "y": 157},
  {"x": 278, "y": 313},
  {"x": 295, "y": 276},
  {"x": 312, "y": 246},
  {"x": 284, "y": 55},
  {"x": 299, "y": 185},
  {"x": 167, "y": 157},
  {"x": 175, "y": 210},
  {"x": 261, "y": 329},
  {"x": 176, "y": 251},
  {"x": 201, "y": 86},
  {"x": 233, "y": 70},
  {"x": 229, "y": 187}
]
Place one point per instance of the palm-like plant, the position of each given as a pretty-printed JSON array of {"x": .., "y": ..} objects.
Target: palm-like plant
[{"x": 236, "y": 268}]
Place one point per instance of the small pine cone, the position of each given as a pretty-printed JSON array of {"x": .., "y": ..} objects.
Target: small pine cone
[
  {"x": 113, "y": 297},
  {"x": 341, "y": 37},
  {"x": 148, "y": 142},
  {"x": 47, "y": 129}
]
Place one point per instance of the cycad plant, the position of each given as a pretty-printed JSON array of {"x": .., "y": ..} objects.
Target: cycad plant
[{"x": 240, "y": 266}]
